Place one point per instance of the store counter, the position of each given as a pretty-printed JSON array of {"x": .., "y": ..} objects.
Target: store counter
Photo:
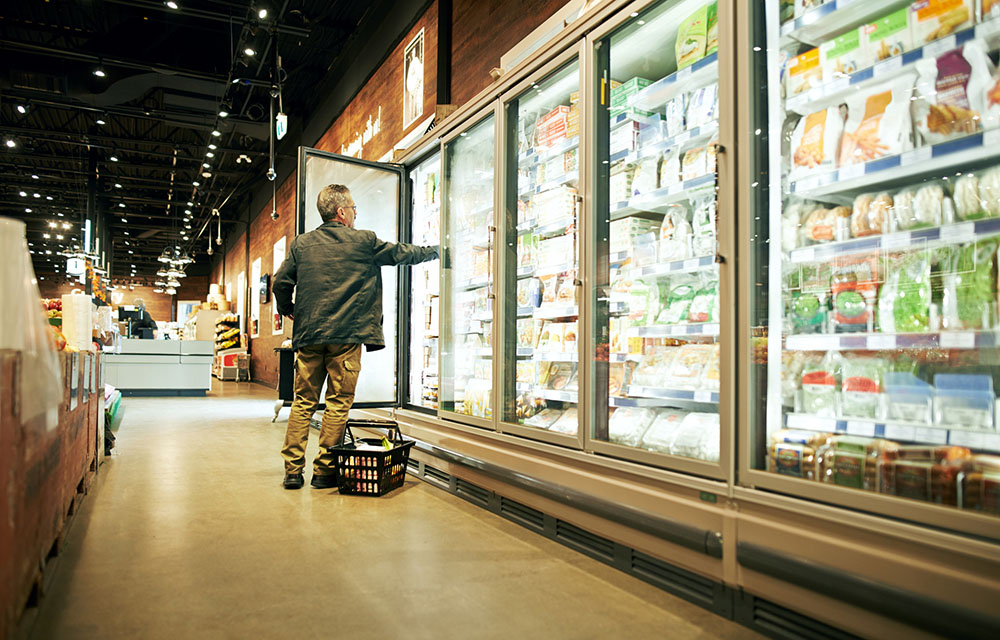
[{"x": 161, "y": 367}]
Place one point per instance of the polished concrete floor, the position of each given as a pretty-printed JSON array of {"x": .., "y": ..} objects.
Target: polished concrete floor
[{"x": 188, "y": 534}]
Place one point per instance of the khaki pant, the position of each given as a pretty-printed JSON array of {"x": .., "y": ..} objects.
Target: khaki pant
[{"x": 313, "y": 364}]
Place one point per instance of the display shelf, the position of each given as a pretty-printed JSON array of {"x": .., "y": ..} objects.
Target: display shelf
[
  {"x": 538, "y": 156},
  {"x": 835, "y": 92},
  {"x": 700, "y": 74},
  {"x": 526, "y": 271},
  {"x": 704, "y": 397},
  {"x": 936, "y": 159},
  {"x": 892, "y": 341},
  {"x": 644, "y": 121},
  {"x": 484, "y": 352},
  {"x": 524, "y": 311},
  {"x": 557, "y": 227},
  {"x": 558, "y": 396},
  {"x": 624, "y": 357},
  {"x": 556, "y": 311},
  {"x": 618, "y": 257},
  {"x": 921, "y": 238},
  {"x": 657, "y": 201},
  {"x": 524, "y": 352},
  {"x": 482, "y": 317},
  {"x": 474, "y": 283},
  {"x": 557, "y": 356},
  {"x": 569, "y": 177},
  {"x": 677, "y": 266},
  {"x": 901, "y": 431},
  {"x": 551, "y": 269},
  {"x": 691, "y": 137},
  {"x": 669, "y": 331},
  {"x": 619, "y": 401}
]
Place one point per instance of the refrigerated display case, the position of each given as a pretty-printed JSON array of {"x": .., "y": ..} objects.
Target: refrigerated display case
[
  {"x": 657, "y": 296},
  {"x": 875, "y": 204},
  {"x": 468, "y": 234},
  {"x": 424, "y": 280}
]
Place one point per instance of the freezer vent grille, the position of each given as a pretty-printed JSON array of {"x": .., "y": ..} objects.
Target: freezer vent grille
[
  {"x": 673, "y": 579},
  {"x": 779, "y": 622},
  {"x": 413, "y": 465},
  {"x": 585, "y": 541},
  {"x": 436, "y": 475},
  {"x": 472, "y": 492},
  {"x": 523, "y": 515}
]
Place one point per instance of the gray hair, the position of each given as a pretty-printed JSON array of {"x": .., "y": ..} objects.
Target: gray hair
[
  {"x": 331, "y": 198},
  {"x": 139, "y": 302}
]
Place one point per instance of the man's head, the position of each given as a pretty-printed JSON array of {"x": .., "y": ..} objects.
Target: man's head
[
  {"x": 140, "y": 303},
  {"x": 336, "y": 204}
]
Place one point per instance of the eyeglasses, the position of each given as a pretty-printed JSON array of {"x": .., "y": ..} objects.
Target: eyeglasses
[{"x": 352, "y": 206}]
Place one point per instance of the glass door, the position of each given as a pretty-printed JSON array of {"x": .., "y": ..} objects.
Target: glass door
[
  {"x": 657, "y": 299},
  {"x": 425, "y": 229},
  {"x": 378, "y": 190},
  {"x": 466, "y": 342},
  {"x": 873, "y": 246},
  {"x": 540, "y": 305}
]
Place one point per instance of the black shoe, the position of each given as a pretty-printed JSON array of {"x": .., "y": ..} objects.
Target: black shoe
[
  {"x": 293, "y": 481},
  {"x": 323, "y": 482}
]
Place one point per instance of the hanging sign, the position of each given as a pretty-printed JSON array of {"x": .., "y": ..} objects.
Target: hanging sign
[{"x": 281, "y": 125}]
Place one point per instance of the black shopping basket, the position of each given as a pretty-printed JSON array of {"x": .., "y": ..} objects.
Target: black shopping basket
[{"x": 371, "y": 472}]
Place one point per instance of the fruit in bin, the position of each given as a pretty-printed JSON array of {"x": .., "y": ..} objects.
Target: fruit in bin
[{"x": 58, "y": 339}]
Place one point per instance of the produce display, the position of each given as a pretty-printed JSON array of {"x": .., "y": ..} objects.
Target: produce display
[{"x": 882, "y": 312}]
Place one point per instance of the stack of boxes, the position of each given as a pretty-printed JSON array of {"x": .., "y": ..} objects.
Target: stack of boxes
[
  {"x": 621, "y": 93},
  {"x": 551, "y": 128},
  {"x": 573, "y": 119}
]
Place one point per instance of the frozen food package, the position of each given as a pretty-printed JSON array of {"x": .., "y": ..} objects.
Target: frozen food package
[
  {"x": 703, "y": 106},
  {"x": 692, "y": 38},
  {"x": 678, "y": 303},
  {"x": 870, "y": 215},
  {"x": 644, "y": 303},
  {"x": 654, "y": 366},
  {"x": 793, "y": 452},
  {"x": 703, "y": 226},
  {"x": 804, "y": 6},
  {"x": 711, "y": 156},
  {"x": 646, "y": 175},
  {"x": 697, "y": 437},
  {"x": 989, "y": 9},
  {"x": 710, "y": 375},
  {"x": 803, "y": 72},
  {"x": 815, "y": 142},
  {"x": 989, "y": 191},
  {"x": 712, "y": 37},
  {"x": 550, "y": 287},
  {"x": 560, "y": 375},
  {"x": 670, "y": 169},
  {"x": 928, "y": 206},
  {"x": 920, "y": 472},
  {"x": 620, "y": 182},
  {"x": 791, "y": 223},
  {"x": 704, "y": 304},
  {"x": 791, "y": 375},
  {"x": 888, "y": 36},
  {"x": 570, "y": 339},
  {"x": 627, "y": 425},
  {"x": 843, "y": 55},
  {"x": 526, "y": 332},
  {"x": 525, "y": 372},
  {"x": 523, "y": 297},
  {"x": 968, "y": 205},
  {"x": 645, "y": 249},
  {"x": 786, "y": 10},
  {"x": 673, "y": 123},
  {"x": 567, "y": 423},
  {"x": 809, "y": 309},
  {"x": 688, "y": 366},
  {"x": 981, "y": 484},
  {"x": 933, "y": 19},
  {"x": 821, "y": 224},
  {"x": 964, "y": 400},
  {"x": 908, "y": 398},
  {"x": 861, "y": 387},
  {"x": 820, "y": 383},
  {"x": 853, "y": 461},
  {"x": 616, "y": 378},
  {"x": 660, "y": 434},
  {"x": 693, "y": 165},
  {"x": 566, "y": 288},
  {"x": 675, "y": 235},
  {"x": 555, "y": 342},
  {"x": 950, "y": 93},
  {"x": 904, "y": 300},
  {"x": 878, "y": 122},
  {"x": 854, "y": 282},
  {"x": 544, "y": 418},
  {"x": 969, "y": 279}
]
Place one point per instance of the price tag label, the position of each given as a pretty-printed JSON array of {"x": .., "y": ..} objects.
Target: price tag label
[
  {"x": 896, "y": 241},
  {"x": 691, "y": 264},
  {"x": 861, "y": 428},
  {"x": 684, "y": 73},
  {"x": 957, "y": 340},
  {"x": 970, "y": 439},
  {"x": 816, "y": 93},
  {"x": 678, "y": 330},
  {"x": 991, "y": 138},
  {"x": 891, "y": 65},
  {"x": 851, "y": 171},
  {"x": 933, "y": 436},
  {"x": 915, "y": 156},
  {"x": 702, "y": 396},
  {"x": 900, "y": 432},
  {"x": 881, "y": 343},
  {"x": 991, "y": 441},
  {"x": 935, "y": 49},
  {"x": 804, "y": 255},
  {"x": 962, "y": 232},
  {"x": 674, "y": 189},
  {"x": 682, "y": 137},
  {"x": 988, "y": 29},
  {"x": 838, "y": 85}
]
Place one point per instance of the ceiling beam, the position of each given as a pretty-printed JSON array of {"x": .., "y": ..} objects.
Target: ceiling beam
[
  {"x": 152, "y": 5},
  {"x": 194, "y": 149}
]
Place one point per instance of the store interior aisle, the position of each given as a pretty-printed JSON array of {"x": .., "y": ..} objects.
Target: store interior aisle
[{"x": 188, "y": 533}]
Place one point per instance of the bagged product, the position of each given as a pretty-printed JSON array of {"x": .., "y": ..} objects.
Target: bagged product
[
  {"x": 968, "y": 206},
  {"x": 950, "y": 93},
  {"x": 905, "y": 299},
  {"x": 620, "y": 182},
  {"x": 929, "y": 206},
  {"x": 802, "y": 73},
  {"x": 646, "y": 175},
  {"x": 821, "y": 224},
  {"x": 853, "y": 285},
  {"x": 933, "y": 19},
  {"x": 690, "y": 363},
  {"x": 660, "y": 434},
  {"x": 815, "y": 142},
  {"x": 704, "y": 304},
  {"x": 642, "y": 305},
  {"x": 697, "y": 437},
  {"x": 627, "y": 425},
  {"x": 989, "y": 191},
  {"x": 566, "y": 289},
  {"x": 693, "y": 166},
  {"x": 654, "y": 366},
  {"x": 670, "y": 169},
  {"x": 526, "y": 332},
  {"x": 792, "y": 452},
  {"x": 567, "y": 423},
  {"x": 703, "y": 226},
  {"x": 678, "y": 303},
  {"x": 843, "y": 55},
  {"x": 791, "y": 375},
  {"x": 888, "y": 36},
  {"x": 878, "y": 122},
  {"x": 692, "y": 38},
  {"x": 908, "y": 398},
  {"x": 861, "y": 387},
  {"x": 787, "y": 10},
  {"x": 820, "y": 382},
  {"x": 712, "y": 37},
  {"x": 673, "y": 123},
  {"x": 544, "y": 418},
  {"x": 970, "y": 286},
  {"x": 710, "y": 376},
  {"x": 703, "y": 107},
  {"x": 810, "y": 305},
  {"x": 675, "y": 235},
  {"x": 616, "y": 377},
  {"x": 870, "y": 215}
]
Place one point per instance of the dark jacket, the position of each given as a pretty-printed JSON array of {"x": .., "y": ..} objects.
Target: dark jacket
[{"x": 338, "y": 272}]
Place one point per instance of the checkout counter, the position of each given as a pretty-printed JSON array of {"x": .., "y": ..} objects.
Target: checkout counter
[{"x": 160, "y": 367}]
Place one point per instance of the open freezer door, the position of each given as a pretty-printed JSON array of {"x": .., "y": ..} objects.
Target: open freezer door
[{"x": 379, "y": 191}]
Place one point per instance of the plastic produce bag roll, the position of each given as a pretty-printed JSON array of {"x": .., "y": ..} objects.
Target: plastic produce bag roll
[{"x": 77, "y": 323}]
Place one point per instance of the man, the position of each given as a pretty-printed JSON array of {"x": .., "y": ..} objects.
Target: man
[
  {"x": 337, "y": 308},
  {"x": 145, "y": 321}
]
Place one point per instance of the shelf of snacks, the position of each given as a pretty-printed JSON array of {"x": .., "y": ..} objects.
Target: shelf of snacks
[
  {"x": 659, "y": 199},
  {"x": 815, "y": 21},
  {"x": 227, "y": 332}
]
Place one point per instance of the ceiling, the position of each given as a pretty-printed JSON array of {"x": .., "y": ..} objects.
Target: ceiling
[{"x": 139, "y": 136}]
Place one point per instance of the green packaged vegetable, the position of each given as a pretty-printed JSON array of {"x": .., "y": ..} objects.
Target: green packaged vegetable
[
  {"x": 678, "y": 304},
  {"x": 905, "y": 299},
  {"x": 861, "y": 387},
  {"x": 820, "y": 382},
  {"x": 704, "y": 305},
  {"x": 970, "y": 286}
]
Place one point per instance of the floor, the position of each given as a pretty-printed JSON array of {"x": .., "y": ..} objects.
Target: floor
[{"x": 188, "y": 534}]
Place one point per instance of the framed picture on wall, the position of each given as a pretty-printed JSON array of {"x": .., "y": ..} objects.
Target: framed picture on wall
[
  {"x": 277, "y": 322},
  {"x": 413, "y": 80}
]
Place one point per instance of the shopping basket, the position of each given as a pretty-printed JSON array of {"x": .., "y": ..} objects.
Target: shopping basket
[{"x": 371, "y": 470}]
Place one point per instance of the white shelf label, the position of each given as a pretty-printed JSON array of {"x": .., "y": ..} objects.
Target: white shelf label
[
  {"x": 915, "y": 156},
  {"x": 985, "y": 30},
  {"x": 970, "y": 439},
  {"x": 935, "y": 49},
  {"x": 851, "y": 172},
  {"x": 861, "y": 428},
  {"x": 933, "y": 436},
  {"x": 838, "y": 85},
  {"x": 812, "y": 423},
  {"x": 991, "y": 441},
  {"x": 881, "y": 343},
  {"x": 684, "y": 73},
  {"x": 711, "y": 330},
  {"x": 957, "y": 340},
  {"x": 804, "y": 255},
  {"x": 896, "y": 240},
  {"x": 682, "y": 137},
  {"x": 702, "y": 396},
  {"x": 813, "y": 343},
  {"x": 900, "y": 432},
  {"x": 692, "y": 263},
  {"x": 678, "y": 330},
  {"x": 962, "y": 232},
  {"x": 674, "y": 189},
  {"x": 891, "y": 65},
  {"x": 992, "y": 137}
]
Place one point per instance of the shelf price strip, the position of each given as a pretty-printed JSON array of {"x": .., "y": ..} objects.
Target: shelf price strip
[{"x": 935, "y": 434}]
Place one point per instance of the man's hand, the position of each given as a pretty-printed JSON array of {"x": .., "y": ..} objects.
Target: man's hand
[{"x": 291, "y": 317}]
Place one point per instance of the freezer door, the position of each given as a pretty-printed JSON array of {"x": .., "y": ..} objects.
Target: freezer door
[{"x": 379, "y": 191}]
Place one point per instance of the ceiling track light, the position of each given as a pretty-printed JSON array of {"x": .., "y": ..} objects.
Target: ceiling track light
[
  {"x": 171, "y": 4},
  {"x": 10, "y": 143},
  {"x": 262, "y": 14},
  {"x": 99, "y": 72},
  {"x": 250, "y": 51}
]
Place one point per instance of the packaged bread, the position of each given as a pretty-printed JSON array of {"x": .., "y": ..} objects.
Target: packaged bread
[
  {"x": 930, "y": 207},
  {"x": 815, "y": 141},
  {"x": 888, "y": 36},
  {"x": 793, "y": 452},
  {"x": 922, "y": 472},
  {"x": 981, "y": 484},
  {"x": 933, "y": 19},
  {"x": 853, "y": 461},
  {"x": 803, "y": 72},
  {"x": 989, "y": 191},
  {"x": 627, "y": 425},
  {"x": 950, "y": 93},
  {"x": 878, "y": 122},
  {"x": 843, "y": 55},
  {"x": 820, "y": 225},
  {"x": 870, "y": 215}
]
